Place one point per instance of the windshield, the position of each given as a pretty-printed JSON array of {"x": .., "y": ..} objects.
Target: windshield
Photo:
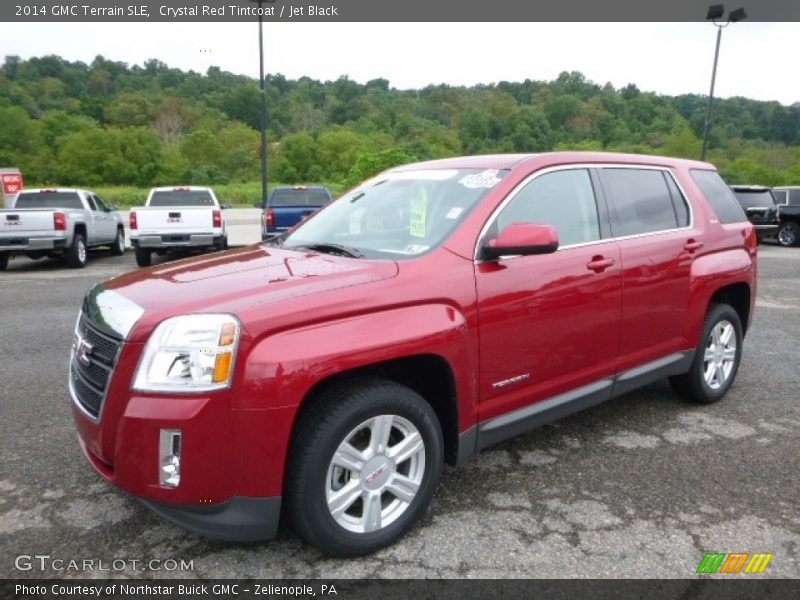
[
  {"x": 48, "y": 200},
  {"x": 755, "y": 199},
  {"x": 395, "y": 215},
  {"x": 182, "y": 198}
]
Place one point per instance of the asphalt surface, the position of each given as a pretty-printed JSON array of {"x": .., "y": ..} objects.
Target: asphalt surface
[{"x": 640, "y": 487}]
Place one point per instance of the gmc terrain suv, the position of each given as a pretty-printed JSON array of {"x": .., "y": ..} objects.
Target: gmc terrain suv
[{"x": 433, "y": 311}]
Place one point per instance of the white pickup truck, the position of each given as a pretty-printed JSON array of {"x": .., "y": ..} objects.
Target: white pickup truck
[
  {"x": 58, "y": 222},
  {"x": 177, "y": 219}
]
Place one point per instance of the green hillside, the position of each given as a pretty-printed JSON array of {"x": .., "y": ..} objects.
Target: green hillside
[{"x": 110, "y": 124}]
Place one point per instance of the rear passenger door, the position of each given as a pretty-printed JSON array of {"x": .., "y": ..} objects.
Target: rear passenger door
[
  {"x": 106, "y": 225},
  {"x": 652, "y": 223},
  {"x": 549, "y": 323}
]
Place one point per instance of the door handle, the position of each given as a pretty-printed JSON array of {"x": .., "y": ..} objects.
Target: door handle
[
  {"x": 599, "y": 263},
  {"x": 692, "y": 245}
]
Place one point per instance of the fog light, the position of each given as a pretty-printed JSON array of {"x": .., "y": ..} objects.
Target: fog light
[{"x": 169, "y": 457}]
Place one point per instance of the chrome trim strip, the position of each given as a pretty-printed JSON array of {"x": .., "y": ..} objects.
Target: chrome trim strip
[{"x": 574, "y": 166}]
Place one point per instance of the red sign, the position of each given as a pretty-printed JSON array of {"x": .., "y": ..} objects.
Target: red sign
[{"x": 12, "y": 183}]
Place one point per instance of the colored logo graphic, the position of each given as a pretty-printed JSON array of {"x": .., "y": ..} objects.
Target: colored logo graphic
[{"x": 734, "y": 562}]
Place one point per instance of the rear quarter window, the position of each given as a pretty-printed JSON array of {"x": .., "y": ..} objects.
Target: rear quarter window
[
  {"x": 719, "y": 196},
  {"x": 640, "y": 201}
]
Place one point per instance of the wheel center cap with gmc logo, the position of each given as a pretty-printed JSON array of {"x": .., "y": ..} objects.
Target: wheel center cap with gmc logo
[{"x": 378, "y": 470}]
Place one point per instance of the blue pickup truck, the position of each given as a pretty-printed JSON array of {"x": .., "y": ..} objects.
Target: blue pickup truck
[{"x": 286, "y": 206}]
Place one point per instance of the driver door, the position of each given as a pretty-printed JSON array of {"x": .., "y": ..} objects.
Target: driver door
[{"x": 549, "y": 323}]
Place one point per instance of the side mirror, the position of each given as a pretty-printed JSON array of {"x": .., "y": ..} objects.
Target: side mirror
[
  {"x": 521, "y": 239},
  {"x": 111, "y": 208},
  {"x": 226, "y": 205}
]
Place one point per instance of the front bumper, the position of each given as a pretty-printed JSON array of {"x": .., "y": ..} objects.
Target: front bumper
[
  {"x": 232, "y": 461},
  {"x": 183, "y": 240},
  {"x": 237, "y": 520}
]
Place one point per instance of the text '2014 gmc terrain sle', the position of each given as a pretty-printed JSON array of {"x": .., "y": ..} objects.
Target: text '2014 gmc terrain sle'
[{"x": 434, "y": 310}]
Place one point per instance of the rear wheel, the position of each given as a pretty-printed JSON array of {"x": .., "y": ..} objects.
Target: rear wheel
[
  {"x": 118, "y": 247},
  {"x": 3, "y": 261},
  {"x": 222, "y": 244},
  {"x": 716, "y": 359},
  {"x": 76, "y": 257},
  {"x": 144, "y": 257},
  {"x": 365, "y": 460},
  {"x": 789, "y": 234}
]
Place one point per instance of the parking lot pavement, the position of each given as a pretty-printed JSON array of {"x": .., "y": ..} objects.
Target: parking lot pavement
[{"x": 640, "y": 487}]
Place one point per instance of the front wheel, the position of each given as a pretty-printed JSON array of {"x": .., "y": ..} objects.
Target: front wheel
[
  {"x": 789, "y": 234},
  {"x": 366, "y": 458},
  {"x": 76, "y": 257},
  {"x": 716, "y": 359},
  {"x": 144, "y": 257}
]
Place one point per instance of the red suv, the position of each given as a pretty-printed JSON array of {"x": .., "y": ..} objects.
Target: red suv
[{"x": 436, "y": 309}]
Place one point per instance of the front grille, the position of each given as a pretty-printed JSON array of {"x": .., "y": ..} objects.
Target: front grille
[{"x": 94, "y": 356}]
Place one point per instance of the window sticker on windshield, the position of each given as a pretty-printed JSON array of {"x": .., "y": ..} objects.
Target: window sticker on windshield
[
  {"x": 419, "y": 209},
  {"x": 486, "y": 179},
  {"x": 454, "y": 212}
]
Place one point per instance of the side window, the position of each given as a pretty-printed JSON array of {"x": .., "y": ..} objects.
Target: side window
[
  {"x": 639, "y": 201},
  {"x": 564, "y": 199},
  {"x": 781, "y": 196},
  {"x": 793, "y": 197},
  {"x": 100, "y": 204},
  {"x": 678, "y": 201},
  {"x": 719, "y": 196},
  {"x": 90, "y": 202}
]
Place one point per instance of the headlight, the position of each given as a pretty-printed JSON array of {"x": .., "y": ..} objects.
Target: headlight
[{"x": 190, "y": 353}]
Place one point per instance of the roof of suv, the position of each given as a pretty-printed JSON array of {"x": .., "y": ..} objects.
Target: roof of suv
[{"x": 509, "y": 161}]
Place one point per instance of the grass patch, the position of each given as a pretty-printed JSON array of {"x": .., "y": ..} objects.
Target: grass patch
[{"x": 240, "y": 195}]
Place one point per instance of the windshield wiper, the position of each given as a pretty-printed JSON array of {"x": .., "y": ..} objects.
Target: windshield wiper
[{"x": 331, "y": 249}]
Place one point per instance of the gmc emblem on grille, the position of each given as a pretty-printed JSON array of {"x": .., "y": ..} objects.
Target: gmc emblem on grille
[{"x": 82, "y": 351}]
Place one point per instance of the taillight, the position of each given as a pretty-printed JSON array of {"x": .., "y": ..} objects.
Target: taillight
[
  {"x": 59, "y": 221},
  {"x": 217, "y": 218},
  {"x": 751, "y": 239},
  {"x": 270, "y": 218},
  {"x": 134, "y": 223}
]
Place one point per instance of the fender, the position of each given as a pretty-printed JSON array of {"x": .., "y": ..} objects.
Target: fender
[
  {"x": 710, "y": 273},
  {"x": 282, "y": 368}
]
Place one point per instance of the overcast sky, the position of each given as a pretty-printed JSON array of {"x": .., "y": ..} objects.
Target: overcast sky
[{"x": 757, "y": 60}]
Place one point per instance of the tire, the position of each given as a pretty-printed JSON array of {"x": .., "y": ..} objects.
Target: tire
[
  {"x": 789, "y": 234},
  {"x": 118, "y": 246},
  {"x": 144, "y": 257},
  {"x": 222, "y": 244},
  {"x": 3, "y": 261},
  {"x": 721, "y": 345},
  {"x": 341, "y": 423},
  {"x": 76, "y": 256}
]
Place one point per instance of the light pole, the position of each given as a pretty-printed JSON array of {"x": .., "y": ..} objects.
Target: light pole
[
  {"x": 715, "y": 11},
  {"x": 263, "y": 86}
]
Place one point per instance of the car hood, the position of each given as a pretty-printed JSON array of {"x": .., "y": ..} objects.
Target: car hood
[{"x": 235, "y": 281}]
